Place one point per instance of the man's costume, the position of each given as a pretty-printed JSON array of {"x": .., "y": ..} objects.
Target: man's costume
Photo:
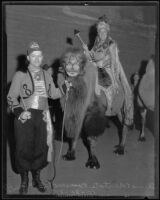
[
  {"x": 30, "y": 91},
  {"x": 33, "y": 88}
]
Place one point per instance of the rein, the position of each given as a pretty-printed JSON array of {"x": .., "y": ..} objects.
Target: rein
[{"x": 62, "y": 134}]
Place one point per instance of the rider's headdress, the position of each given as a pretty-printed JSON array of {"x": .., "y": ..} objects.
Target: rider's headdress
[{"x": 102, "y": 23}]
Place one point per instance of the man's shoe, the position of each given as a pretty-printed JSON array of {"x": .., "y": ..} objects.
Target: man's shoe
[
  {"x": 36, "y": 182},
  {"x": 24, "y": 183}
]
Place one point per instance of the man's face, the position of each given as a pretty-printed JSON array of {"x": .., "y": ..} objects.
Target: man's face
[
  {"x": 102, "y": 34},
  {"x": 35, "y": 58}
]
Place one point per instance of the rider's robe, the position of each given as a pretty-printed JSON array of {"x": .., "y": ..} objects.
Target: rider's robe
[{"x": 106, "y": 58}]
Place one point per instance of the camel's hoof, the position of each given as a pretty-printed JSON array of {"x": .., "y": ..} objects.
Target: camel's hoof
[
  {"x": 93, "y": 163},
  {"x": 119, "y": 150},
  {"x": 142, "y": 139},
  {"x": 70, "y": 155},
  {"x": 117, "y": 146}
]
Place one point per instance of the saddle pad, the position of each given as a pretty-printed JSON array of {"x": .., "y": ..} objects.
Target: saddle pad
[
  {"x": 103, "y": 78},
  {"x": 118, "y": 100}
]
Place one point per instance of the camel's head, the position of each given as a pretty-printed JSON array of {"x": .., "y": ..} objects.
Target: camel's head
[{"x": 73, "y": 62}]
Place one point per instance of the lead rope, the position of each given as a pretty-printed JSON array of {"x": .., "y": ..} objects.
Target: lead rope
[
  {"x": 61, "y": 147},
  {"x": 60, "y": 152}
]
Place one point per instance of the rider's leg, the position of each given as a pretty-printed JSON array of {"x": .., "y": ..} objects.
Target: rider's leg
[
  {"x": 142, "y": 134},
  {"x": 109, "y": 106}
]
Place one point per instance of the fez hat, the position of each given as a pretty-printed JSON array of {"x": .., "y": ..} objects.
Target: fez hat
[{"x": 33, "y": 46}]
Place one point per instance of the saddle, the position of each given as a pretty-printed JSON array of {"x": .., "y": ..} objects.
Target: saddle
[
  {"x": 104, "y": 79},
  {"x": 103, "y": 83}
]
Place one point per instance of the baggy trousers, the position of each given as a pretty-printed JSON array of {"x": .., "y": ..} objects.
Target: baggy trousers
[{"x": 31, "y": 142}]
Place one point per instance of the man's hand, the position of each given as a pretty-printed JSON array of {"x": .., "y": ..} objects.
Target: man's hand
[
  {"x": 86, "y": 51},
  {"x": 68, "y": 85},
  {"x": 24, "y": 116},
  {"x": 85, "y": 47}
]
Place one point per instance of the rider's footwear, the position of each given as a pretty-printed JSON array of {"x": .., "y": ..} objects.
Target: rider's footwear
[{"x": 108, "y": 112}]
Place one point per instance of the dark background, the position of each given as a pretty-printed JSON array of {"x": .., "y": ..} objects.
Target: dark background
[{"x": 132, "y": 27}]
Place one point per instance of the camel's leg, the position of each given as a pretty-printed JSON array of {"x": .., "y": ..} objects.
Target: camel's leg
[
  {"x": 72, "y": 142},
  {"x": 70, "y": 155},
  {"x": 94, "y": 126},
  {"x": 90, "y": 143},
  {"x": 142, "y": 135},
  {"x": 122, "y": 135},
  {"x": 120, "y": 148}
]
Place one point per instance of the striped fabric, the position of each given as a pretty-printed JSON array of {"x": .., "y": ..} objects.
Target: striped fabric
[
  {"x": 40, "y": 89},
  {"x": 39, "y": 98},
  {"x": 39, "y": 83}
]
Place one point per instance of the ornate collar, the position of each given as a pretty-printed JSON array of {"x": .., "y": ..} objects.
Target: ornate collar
[
  {"x": 102, "y": 45},
  {"x": 37, "y": 73}
]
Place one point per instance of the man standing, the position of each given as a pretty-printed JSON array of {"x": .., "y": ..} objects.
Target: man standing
[{"x": 33, "y": 127}]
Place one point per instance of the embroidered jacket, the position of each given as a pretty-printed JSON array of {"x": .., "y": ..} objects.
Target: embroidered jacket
[{"x": 22, "y": 87}]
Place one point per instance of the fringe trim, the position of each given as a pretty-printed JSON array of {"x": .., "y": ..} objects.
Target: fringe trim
[{"x": 47, "y": 119}]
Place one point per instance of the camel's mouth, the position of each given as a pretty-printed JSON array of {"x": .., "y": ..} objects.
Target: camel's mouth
[{"x": 72, "y": 73}]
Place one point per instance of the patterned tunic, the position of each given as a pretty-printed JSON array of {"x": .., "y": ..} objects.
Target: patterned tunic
[
  {"x": 39, "y": 98},
  {"x": 105, "y": 56},
  {"x": 101, "y": 55}
]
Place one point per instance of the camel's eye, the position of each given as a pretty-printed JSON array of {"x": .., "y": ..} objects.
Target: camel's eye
[
  {"x": 76, "y": 67},
  {"x": 68, "y": 66}
]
